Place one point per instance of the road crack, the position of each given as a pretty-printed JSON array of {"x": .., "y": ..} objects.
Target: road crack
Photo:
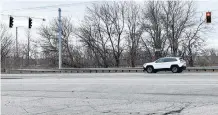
[
  {"x": 174, "y": 111},
  {"x": 178, "y": 110},
  {"x": 24, "y": 109}
]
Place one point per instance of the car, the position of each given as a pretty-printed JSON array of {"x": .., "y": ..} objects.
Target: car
[{"x": 174, "y": 64}]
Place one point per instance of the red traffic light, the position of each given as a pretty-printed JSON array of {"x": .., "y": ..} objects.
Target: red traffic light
[
  {"x": 208, "y": 14},
  {"x": 208, "y": 17}
]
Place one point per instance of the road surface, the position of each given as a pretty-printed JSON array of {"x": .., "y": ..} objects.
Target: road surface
[{"x": 110, "y": 94}]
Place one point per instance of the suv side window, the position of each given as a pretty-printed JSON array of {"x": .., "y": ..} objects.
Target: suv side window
[
  {"x": 161, "y": 60},
  {"x": 170, "y": 60}
]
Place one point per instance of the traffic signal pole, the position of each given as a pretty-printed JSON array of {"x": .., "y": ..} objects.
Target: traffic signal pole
[{"x": 59, "y": 37}]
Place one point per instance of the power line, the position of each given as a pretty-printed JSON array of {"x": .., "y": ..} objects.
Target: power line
[
  {"x": 50, "y": 6},
  {"x": 72, "y": 4}
]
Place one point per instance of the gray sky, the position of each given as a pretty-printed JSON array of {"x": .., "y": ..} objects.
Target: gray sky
[{"x": 76, "y": 10}]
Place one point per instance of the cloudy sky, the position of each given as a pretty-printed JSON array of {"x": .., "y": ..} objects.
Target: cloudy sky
[{"x": 76, "y": 10}]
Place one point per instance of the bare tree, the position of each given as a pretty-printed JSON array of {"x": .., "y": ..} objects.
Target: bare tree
[
  {"x": 117, "y": 12},
  {"x": 193, "y": 42},
  {"x": 111, "y": 16},
  {"x": 153, "y": 26},
  {"x": 93, "y": 37},
  {"x": 6, "y": 43},
  {"x": 177, "y": 17},
  {"x": 28, "y": 35},
  {"x": 103, "y": 30},
  {"x": 134, "y": 30},
  {"x": 50, "y": 40},
  {"x": 34, "y": 50}
]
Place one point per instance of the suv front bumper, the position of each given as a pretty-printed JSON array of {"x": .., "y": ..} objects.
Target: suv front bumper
[{"x": 183, "y": 67}]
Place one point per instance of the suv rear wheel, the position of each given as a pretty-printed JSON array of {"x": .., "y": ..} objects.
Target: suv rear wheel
[
  {"x": 175, "y": 69},
  {"x": 150, "y": 69}
]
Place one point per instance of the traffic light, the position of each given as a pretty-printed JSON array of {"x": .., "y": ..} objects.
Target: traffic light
[
  {"x": 30, "y": 22},
  {"x": 11, "y": 21},
  {"x": 208, "y": 17}
]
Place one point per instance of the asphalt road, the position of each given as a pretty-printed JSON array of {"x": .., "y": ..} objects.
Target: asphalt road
[{"x": 110, "y": 94}]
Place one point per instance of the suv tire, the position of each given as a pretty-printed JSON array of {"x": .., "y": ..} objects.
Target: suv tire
[
  {"x": 180, "y": 70},
  {"x": 175, "y": 69},
  {"x": 150, "y": 69}
]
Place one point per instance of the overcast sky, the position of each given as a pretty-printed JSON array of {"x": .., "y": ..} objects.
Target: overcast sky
[{"x": 76, "y": 10}]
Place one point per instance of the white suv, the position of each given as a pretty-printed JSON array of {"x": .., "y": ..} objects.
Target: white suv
[{"x": 174, "y": 64}]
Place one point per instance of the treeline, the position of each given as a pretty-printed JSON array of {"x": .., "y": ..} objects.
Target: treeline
[{"x": 115, "y": 34}]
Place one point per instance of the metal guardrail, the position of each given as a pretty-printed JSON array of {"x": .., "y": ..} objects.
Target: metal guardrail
[{"x": 101, "y": 70}]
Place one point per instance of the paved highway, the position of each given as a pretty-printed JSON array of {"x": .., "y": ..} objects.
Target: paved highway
[{"x": 110, "y": 94}]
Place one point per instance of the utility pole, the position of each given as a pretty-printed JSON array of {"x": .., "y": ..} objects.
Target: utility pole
[
  {"x": 16, "y": 42},
  {"x": 60, "y": 30},
  {"x": 17, "y": 61},
  {"x": 28, "y": 46}
]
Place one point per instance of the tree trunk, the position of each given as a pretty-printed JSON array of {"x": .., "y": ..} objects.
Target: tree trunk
[
  {"x": 157, "y": 55},
  {"x": 132, "y": 62},
  {"x": 191, "y": 62},
  {"x": 132, "y": 58},
  {"x": 117, "y": 62}
]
